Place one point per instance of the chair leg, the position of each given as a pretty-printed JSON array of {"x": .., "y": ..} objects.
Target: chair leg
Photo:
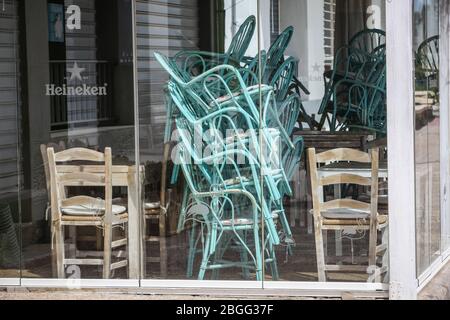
[
  {"x": 107, "y": 242},
  {"x": 244, "y": 258},
  {"x": 182, "y": 216},
  {"x": 73, "y": 239},
  {"x": 205, "y": 259},
  {"x": 59, "y": 248},
  {"x": 193, "y": 242},
  {"x": 373, "y": 237},
  {"x": 220, "y": 252},
  {"x": 319, "y": 251},
  {"x": 385, "y": 258},
  {"x": 259, "y": 262},
  {"x": 163, "y": 256},
  {"x": 98, "y": 236},
  {"x": 285, "y": 225},
  {"x": 273, "y": 262}
]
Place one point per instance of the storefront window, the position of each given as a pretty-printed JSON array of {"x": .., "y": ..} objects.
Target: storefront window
[
  {"x": 294, "y": 55},
  {"x": 211, "y": 140},
  {"x": 329, "y": 38},
  {"x": 75, "y": 93},
  {"x": 193, "y": 227}
]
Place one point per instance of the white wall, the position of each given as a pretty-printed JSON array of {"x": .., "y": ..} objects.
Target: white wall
[
  {"x": 236, "y": 11},
  {"x": 307, "y": 45}
]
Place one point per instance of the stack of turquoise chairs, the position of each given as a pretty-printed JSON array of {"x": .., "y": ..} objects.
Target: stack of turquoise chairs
[
  {"x": 235, "y": 151},
  {"x": 355, "y": 89}
]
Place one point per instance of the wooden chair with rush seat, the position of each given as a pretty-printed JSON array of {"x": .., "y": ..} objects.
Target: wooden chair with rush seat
[
  {"x": 348, "y": 215},
  {"x": 84, "y": 211}
]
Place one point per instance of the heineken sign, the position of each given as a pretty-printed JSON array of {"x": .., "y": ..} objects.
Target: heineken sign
[{"x": 76, "y": 90}]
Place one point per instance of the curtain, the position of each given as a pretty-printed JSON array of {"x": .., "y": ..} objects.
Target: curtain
[{"x": 352, "y": 17}]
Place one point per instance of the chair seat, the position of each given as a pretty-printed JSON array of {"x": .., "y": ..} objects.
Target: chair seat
[
  {"x": 152, "y": 205},
  {"x": 119, "y": 218},
  {"x": 243, "y": 222},
  {"x": 82, "y": 211},
  {"x": 152, "y": 208},
  {"x": 349, "y": 217}
]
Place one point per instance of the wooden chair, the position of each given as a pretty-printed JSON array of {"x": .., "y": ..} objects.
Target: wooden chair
[
  {"x": 72, "y": 233},
  {"x": 347, "y": 215},
  {"x": 84, "y": 211}
]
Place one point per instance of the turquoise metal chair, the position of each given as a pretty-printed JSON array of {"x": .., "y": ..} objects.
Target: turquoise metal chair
[{"x": 197, "y": 62}]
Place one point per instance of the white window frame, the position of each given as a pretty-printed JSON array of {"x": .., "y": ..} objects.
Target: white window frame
[
  {"x": 400, "y": 93},
  {"x": 405, "y": 282}
]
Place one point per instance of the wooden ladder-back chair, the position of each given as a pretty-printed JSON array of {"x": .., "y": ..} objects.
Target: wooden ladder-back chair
[
  {"x": 347, "y": 215},
  {"x": 84, "y": 211}
]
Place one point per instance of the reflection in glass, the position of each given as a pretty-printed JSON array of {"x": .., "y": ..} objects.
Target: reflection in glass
[
  {"x": 345, "y": 45},
  {"x": 427, "y": 136},
  {"x": 78, "y": 71},
  {"x": 11, "y": 178}
]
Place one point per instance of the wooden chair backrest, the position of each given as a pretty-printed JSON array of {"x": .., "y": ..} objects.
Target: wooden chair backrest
[
  {"x": 344, "y": 155},
  {"x": 60, "y": 179}
]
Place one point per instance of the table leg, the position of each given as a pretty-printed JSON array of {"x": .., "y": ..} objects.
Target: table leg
[
  {"x": 309, "y": 216},
  {"x": 338, "y": 234},
  {"x": 133, "y": 225},
  {"x": 297, "y": 197}
]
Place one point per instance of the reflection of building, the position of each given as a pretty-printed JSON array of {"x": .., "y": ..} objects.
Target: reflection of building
[
  {"x": 79, "y": 75},
  {"x": 10, "y": 176}
]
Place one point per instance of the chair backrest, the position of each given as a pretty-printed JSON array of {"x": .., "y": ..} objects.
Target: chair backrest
[
  {"x": 276, "y": 52},
  {"x": 346, "y": 156},
  {"x": 215, "y": 162},
  {"x": 171, "y": 67},
  {"x": 368, "y": 40},
  {"x": 242, "y": 39},
  {"x": 202, "y": 95},
  {"x": 67, "y": 169},
  {"x": 428, "y": 56}
]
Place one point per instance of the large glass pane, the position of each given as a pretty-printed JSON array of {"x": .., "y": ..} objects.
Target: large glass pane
[
  {"x": 343, "y": 43},
  {"x": 190, "y": 135},
  {"x": 10, "y": 173},
  {"x": 427, "y": 136},
  {"x": 77, "y": 95}
]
